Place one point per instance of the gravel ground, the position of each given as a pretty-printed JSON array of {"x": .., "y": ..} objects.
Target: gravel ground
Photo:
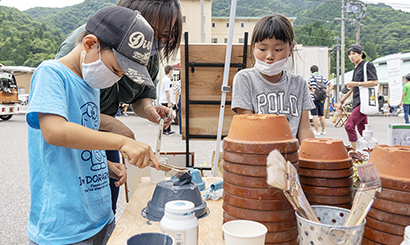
[{"x": 15, "y": 191}]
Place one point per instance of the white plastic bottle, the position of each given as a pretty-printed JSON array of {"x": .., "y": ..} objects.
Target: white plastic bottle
[
  {"x": 406, "y": 240},
  {"x": 366, "y": 142},
  {"x": 180, "y": 222}
]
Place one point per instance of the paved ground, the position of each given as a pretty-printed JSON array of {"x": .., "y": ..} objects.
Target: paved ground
[{"x": 14, "y": 191}]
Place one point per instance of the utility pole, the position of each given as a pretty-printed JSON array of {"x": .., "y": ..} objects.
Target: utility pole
[
  {"x": 202, "y": 22},
  {"x": 337, "y": 68},
  {"x": 342, "y": 53}
]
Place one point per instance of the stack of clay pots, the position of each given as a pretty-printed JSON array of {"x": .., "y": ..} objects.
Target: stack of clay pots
[
  {"x": 325, "y": 172},
  {"x": 246, "y": 193},
  {"x": 390, "y": 212}
]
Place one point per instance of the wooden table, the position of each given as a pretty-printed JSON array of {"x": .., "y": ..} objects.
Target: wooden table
[{"x": 131, "y": 221}]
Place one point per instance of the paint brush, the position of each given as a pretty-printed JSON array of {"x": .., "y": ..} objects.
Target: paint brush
[
  {"x": 283, "y": 175},
  {"x": 370, "y": 186}
]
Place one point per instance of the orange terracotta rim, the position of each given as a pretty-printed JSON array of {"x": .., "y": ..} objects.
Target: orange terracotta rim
[
  {"x": 392, "y": 161},
  {"x": 260, "y": 127},
  {"x": 285, "y": 146},
  {"x": 323, "y": 149}
]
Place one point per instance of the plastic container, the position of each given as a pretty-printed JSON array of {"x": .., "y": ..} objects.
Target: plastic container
[
  {"x": 180, "y": 222},
  {"x": 244, "y": 232},
  {"x": 366, "y": 142},
  {"x": 150, "y": 238},
  {"x": 330, "y": 230},
  {"x": 406, "y": 240}
]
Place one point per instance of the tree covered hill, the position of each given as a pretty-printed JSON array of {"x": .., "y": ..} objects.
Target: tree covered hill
[{"x": 69, "y": 18}]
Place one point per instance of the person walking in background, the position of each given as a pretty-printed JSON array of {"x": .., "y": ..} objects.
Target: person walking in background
[
  {"x": 357, "y": 119},
  {"x": 268, "y": 88},
  {"x": 319, "y": 91},
  {"x": 166, "y": 95},
  {"x": 165, "y": 18},
  {"x": 386, "y": 108},
  {"x": 405, "y": 98}
]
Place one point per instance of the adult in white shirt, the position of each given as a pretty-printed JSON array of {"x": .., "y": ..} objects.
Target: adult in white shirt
[{"x": 165, "y": 93}]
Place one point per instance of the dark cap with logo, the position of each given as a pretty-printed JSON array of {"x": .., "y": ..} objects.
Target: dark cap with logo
[
  {"x": 356, "y": 48},
  {"x": 129, "y": 35}
]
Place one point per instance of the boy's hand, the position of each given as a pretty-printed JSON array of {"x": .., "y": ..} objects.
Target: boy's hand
[
  {"x": 138, "y": 154},
  {"x": 117, "y": 171}
]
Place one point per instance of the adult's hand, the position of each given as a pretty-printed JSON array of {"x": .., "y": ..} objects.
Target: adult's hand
[{"x": 113, "y": 125}]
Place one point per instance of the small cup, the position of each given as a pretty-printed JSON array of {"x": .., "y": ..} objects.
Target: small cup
[
  {"x": 157, "y": 175},
  {"x": 244, "y": 232}
]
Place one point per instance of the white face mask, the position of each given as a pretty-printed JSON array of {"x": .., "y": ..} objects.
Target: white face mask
[
  {"x": 270, "y": 69},
  {"x": 97, "y": 75}
]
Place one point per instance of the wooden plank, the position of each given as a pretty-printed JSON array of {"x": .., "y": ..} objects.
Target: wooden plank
[
  {"x": 205, "y": 85},
  {"x": 204, "y": 120},
  {"x": 131, "y": 221}
]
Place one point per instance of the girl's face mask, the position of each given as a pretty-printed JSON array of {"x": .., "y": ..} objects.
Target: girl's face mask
[
  {"x": 271, "y": 69},
  {"x": 96, "y": 74}
]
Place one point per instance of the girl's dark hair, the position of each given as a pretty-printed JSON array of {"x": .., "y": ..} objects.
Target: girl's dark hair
[
  {"x": 407, "y": 77},
  {"x": 277, "y": 26},
  {"x": 161, "y": 14}
]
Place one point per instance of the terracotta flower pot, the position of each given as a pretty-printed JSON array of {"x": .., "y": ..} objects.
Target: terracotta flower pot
[
  {"x": 385, "y": 226},
  {"x": 328, "y": 191},
  {"x": 272, "y": 226},
  {"x": 260, "y": 134},
  {"x": 391, "y": 162},
  {"x": 334, "y": 165},
  {"x": 331, "y": 174},
  {"x": 255, "y": 159},
  {"x": 256, "y": 204},
  {"x": 259, "y": 215},
  {"x": 260, "y": 128},
  {"x": 342, "y": 182},
  {"x": 323, "y": 150},
  {"x": 395, "y": 195},
  {"x": 382, "y": 237},
  {"x": 398, "y": 219},
  {"x": 254, "y": 193}
]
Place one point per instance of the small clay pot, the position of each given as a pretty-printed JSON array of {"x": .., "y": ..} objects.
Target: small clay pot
[
  {"x": 282, "y": 236},
  {"x": 258, "y": 215},
  {"x": 334, "y": 165},
  {"x": 246, "y": 170},
  {"x": 320, "y": 182},
  {"x": 394, "y": 195},
  {"x": 323, "y": 150},
  {"x": 382, "y": 237},
  {"x": 272, "y": 226},
  {"x": 260, "y": 128},
  {"x": 331, "y": 174},
  {"x": 254, "y": 193},
  {"x": 385, "y": 226},
  {"x": 390, "y": 162},
  {"x": 256, "y": 204},
  {"x": 398, "y": 219},
  {"x": 367, "y": 241},
  {"x": 260, "y": 147},
  {"x": 344, "y": 205},
  {"x": 329, "y": 200},
  {"x": 396, "y": 184},
  {"x": 327, "y": 191},
  {"x": 255, "y": 159},
  {"x": 246, "y": 181},
  {"x": 293, "y": 242},
  {"x": 392, "y": 206}
]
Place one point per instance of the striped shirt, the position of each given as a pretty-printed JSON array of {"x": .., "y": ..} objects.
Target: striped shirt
[{"x": 313, "y": 83}]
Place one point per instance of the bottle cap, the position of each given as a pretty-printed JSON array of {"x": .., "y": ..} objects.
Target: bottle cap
[
  {"x": 179, "y": 207},
  {"x": 367, "y": 132}
]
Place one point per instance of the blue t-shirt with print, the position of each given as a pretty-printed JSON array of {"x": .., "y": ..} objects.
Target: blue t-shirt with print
[{"x": 70, "y": 193}]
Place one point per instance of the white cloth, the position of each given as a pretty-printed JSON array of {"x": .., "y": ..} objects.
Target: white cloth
[{"x": 165, "y": 87}]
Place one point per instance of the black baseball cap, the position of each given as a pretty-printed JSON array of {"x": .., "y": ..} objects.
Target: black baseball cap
[
  {"x": 356, "y": 48},
  {"x": 130, "y": 37}
]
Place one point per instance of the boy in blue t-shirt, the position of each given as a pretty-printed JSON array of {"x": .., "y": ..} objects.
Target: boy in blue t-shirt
[{"x": 69, "y": 173}]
